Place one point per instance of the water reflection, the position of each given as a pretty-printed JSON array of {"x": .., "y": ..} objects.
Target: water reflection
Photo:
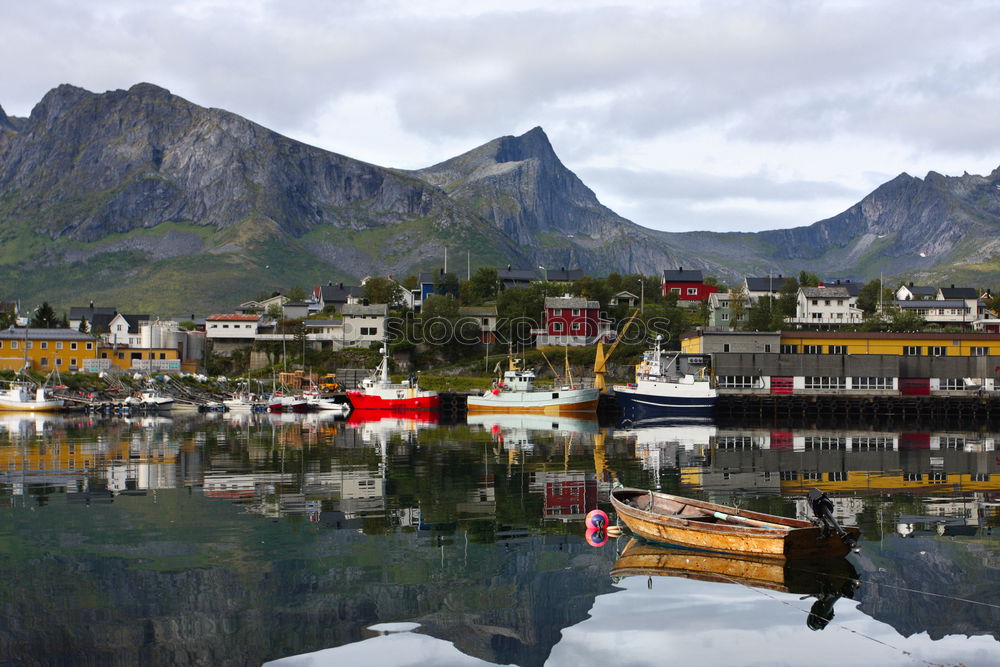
[
  {"x": 826, "y": 580},
  {"x": 471, "y": 530}
]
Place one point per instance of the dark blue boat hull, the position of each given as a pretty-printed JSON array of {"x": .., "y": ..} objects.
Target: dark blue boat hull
[{"x": 636, "y": 407}]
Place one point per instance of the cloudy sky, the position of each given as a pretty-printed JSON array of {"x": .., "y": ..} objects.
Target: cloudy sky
[{"x": 679, "y": 115}]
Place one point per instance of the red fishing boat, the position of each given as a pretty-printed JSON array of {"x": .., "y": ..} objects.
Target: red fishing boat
[{"x": 378, "y": 392}]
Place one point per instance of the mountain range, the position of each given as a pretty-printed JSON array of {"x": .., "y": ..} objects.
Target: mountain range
[{"x": 140, "y": 199}]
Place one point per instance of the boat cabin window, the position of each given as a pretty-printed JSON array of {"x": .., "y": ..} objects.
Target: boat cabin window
[{"x": 555, "y": 394}]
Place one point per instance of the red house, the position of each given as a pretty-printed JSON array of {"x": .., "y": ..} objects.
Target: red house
[
  {"x": 572, "y": 320},
  {"x": 687, "y": 285}
]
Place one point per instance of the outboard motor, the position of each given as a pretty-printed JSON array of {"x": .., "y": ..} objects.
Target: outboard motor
[{"x": 822, "y": 507}]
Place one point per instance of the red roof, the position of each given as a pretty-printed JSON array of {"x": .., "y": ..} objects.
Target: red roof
[{"x": 234, "y": 318}]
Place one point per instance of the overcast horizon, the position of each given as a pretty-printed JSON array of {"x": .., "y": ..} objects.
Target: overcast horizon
[{"x": 717, "y": 116}]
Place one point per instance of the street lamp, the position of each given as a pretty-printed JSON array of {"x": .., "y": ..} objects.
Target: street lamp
[
  {"x": 642, "y": 294},
  {"x": 545, "y": 272}
]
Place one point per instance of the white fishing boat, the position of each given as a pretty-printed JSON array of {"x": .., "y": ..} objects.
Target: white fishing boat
[
  {"x": 516, "y": 392},
  {"x": 22, "y": 396},
  {"x": 150, "y": 399},
  {"x": 660, "y": 391},
  {"x": 316, "y": 401}
]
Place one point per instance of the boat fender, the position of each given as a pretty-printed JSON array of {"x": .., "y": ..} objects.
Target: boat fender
[
  {"x": 597, "y": 537},
  {"x": 596, "y": 519}
]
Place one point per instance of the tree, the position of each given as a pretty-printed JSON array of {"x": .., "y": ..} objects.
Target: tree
[
  {"x": 84, "y": 325},
  {"x": 297, "y": 293},
  {"x": 786, "y": 304},
  {"x": 483, "y": 285},
  {"x": 737, "y": 306},
  {"x": 447, "y": 284},
  {"x": 275, "y": 312},
  {"x": 44, "y": 317},
  {"x": 808, "y": 279},
  {"x": 383, "y": 290},
  {"x": 7, "y": 319},
  {"x": 869, "y": 296},
  {"x": 761, "y": 315}
]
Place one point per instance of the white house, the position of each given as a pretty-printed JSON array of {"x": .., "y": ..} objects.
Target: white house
[
  {"x": 125, "y": 330},
  {"x": 230, "y": 331},
  {"x": 913, "y": 292},
  {"x": 364, "y": 324},
  {"x": 829, "y": 306}
]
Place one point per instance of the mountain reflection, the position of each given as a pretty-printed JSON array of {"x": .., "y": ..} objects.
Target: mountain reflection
[{"x": 323, "y": 527}]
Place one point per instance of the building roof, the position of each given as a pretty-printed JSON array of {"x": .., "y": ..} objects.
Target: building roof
[
  {"x": 921, "y": 290},
  {"x": 931, "y": 303},
  {"x": 232, "y": 318},
  {"x": 79, "y": 312},
  {"x": 682, "y": 276},
  {"x": 959, "y": 293},
  {"x": 570, "y": 302},
  {"x": 853, "y": 287},
  {"x": 320, "y": 324},
  {"x": 13, "y": 333},
  {"x": 824, "y": 292},
  {"x": 517, "y": 275},
  {"x": 767, "y": 283},
  {"x": 563, "y": 275},
  {"x": 340, "y": 292},
  {"x": 478, "y": 311},
  {"x": 357, "y": 309}
]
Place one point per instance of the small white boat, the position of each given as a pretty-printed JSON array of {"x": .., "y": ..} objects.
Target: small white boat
[
  {"x": 318, "y": 402},
  {"x": 150, "y": 399},
  {"x": 244, "y": 402},
  {"x": 280, "y": 402},
  {"x": 25, "y": 397}
]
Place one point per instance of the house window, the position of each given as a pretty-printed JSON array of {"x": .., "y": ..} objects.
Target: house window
[
  {"x": 692, "y": 291},
  {"x": 576, "y": 326},
  {"x": 789, "y": 349},
  {"x": 824, "y": 382},
  {"x": 135, "y": 355},
  {"x": 163, "y": 355},
  {"x": 952, "y": 384},
  {"x": 58, "y": 361},
  {"x": 90, "y": 346},
  {"x": 557, "y": 326},
  {"x": 29, "y": 344},
  {"x": 837, "y": 349},
  {"x": 975, "y": 351},
  {"x": 675, "y": 290},
  {"x": 827, "y": 303},
  {"x": 44, "y": 361},
  {"x": 59, "y": 345},
  {"x": 937, "y": 351},
  {"x": 812, "y": 349},
  {"x": 72, "y": 362},
  {"x": 737, "y": 381},
  {"x": 911, "y": 350},
  {"x": 767, "y": 347},
  {"x": 724, "y": 316},
  {"x": 576, "y": 312},
  {"x": 788, "y": 475},
  {"x": 557, "y": 312},
  {"x": 870, "y": 383},
  {"x": 836, "y": 476},
  {"x": 871, "y": 444},
  {"x": 815, "y": 302}
]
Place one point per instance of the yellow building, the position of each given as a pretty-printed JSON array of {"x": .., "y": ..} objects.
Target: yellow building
[
  {"x": 45, "y": 350},
  {"x": 144, "y": 359},
  {"x": 972, "y": 344}
]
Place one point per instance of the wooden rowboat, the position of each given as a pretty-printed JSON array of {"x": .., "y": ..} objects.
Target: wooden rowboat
[{"x": 661, "y": 517}]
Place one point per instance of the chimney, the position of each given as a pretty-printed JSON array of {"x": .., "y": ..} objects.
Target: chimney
[
  {"x": 953, "y": 285},
  {"x": 681, "y": 269},
  {"x": 340, "y": 285},
  {"x": 91, "y": 305}
]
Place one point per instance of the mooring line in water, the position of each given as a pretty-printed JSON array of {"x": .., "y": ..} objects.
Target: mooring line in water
[
  {"x": 869, "y": 582},
  {"x": 835, "y": 623}
]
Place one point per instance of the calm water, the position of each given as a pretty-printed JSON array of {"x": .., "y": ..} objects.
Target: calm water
[{"x": 244, "y": 539}]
